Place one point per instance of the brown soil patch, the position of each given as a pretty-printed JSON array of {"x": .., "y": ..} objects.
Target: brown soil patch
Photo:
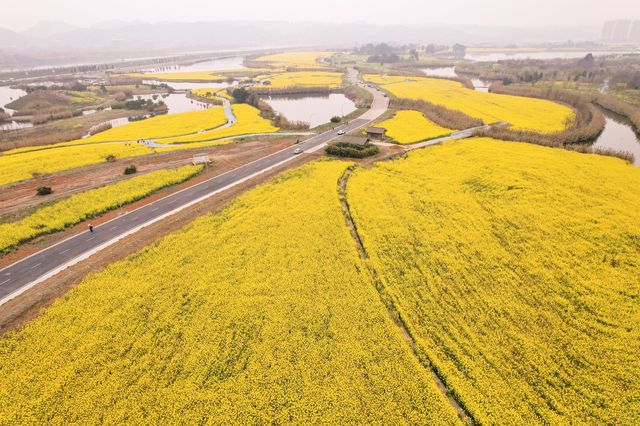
[{"x": 16, "y": 200}]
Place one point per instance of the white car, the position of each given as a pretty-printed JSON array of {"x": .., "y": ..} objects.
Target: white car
[
  {"x": 341, "y": 132},
  {"x": 297, "y": 151}
]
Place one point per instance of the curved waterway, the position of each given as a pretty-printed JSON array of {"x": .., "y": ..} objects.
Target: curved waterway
[
  {"x": 618, "y": 134},
  {"x": 450, "y": 72},
  {"x": 8, "y": 95}
]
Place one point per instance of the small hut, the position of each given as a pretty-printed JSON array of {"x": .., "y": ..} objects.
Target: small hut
[{"x": 379, "y": 133}]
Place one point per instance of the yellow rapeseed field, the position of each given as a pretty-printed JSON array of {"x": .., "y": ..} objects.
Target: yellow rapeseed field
[
  {"x": 295, "y": 59},
  {"x": 522, "y": 113},
  {"x": 25, "y": 163},
  {"x": 248, "y": 122},
  {"x": 517, "y": 270},
  {"x": 407, "y": 127},
  {"x": 69, "y": 211},
  {"x": 201, "y": 76},
  {"x": 261, "y": 314},
  {"x": 163, "y": 126},
  {"x": 211, "y": 93},
  {"x": 305, "y": 79}
]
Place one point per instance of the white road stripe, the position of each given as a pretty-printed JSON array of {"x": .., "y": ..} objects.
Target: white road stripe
[
  {"x": 64, "y": 251},
  {"x": 5, "y": 281},
  {"x": 36, "y": 265}
]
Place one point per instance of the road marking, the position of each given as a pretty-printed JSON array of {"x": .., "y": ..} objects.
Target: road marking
[
  {"x": 5, "y": 281},
  {"x": 63, "y": 252},
  {"x": 153, "y": 210},
  {"x": 89, "y": 239},
  {"x": 36, "y": 265}
]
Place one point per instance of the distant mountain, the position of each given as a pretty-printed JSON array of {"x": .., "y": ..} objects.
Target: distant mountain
[
  {"x": 45, "y": 29},
  {"x": 123, "y": 39},
  {"x": 10, "y": 39}
]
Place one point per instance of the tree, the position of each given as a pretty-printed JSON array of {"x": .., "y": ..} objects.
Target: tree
[
  {"x": 241, "y": 95},
  {"x": 44, "y": 190},
  {"x": 587, "y": 61},
  {"x": 459, "y": 51},
  {"x": 414, "y": 55}
]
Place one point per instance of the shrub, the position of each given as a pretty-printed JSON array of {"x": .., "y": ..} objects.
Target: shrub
[
  {"x": 110, "y": 158},
  {"x": 100, "y": 128},
  {"x": 343, "y": 149},
  {"x": 444, "y": 117},
  {"x": 44, "y": 190},
  {"x": 129, "y": 170},
  {"x": 336, "y": 119}
]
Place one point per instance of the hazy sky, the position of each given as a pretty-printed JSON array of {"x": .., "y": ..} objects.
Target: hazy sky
[{"x": 22, "y": 14}]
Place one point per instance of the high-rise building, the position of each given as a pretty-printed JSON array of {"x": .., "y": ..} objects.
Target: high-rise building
[{"x": 621, "y": 32}]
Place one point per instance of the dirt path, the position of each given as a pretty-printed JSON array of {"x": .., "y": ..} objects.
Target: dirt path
[{"x": 390, "y": 305}]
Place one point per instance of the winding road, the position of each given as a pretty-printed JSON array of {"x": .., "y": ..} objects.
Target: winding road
[{"x": 26, "y": 273}]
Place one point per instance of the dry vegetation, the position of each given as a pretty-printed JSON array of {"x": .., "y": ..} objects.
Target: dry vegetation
[
  {"x": 585, "y": 128},
  {"x": 442, "y": 116}
]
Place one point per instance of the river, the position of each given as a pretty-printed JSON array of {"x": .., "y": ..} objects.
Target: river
[
  {"x": 230, "y": 63},
  {"x": 450, "y": 72},
  {"x": 8, "y": 95},
  {"x": 543, "y": 54},
  {"x": 618, "y": 134}
]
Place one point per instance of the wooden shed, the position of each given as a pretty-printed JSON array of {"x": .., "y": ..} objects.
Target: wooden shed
[{"x": 379, "y": 133}]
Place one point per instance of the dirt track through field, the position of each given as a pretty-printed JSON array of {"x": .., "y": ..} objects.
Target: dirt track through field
[{"x": 392, "y": 310}]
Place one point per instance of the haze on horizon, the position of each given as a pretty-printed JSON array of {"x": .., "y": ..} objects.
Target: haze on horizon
[{"x": 22, "y": 15}]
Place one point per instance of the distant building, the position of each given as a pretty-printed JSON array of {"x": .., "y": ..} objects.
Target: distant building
[
  {"x": 607, "y": 30},
  {"x": 634, "y": 34},
  {"x": 379, "y": 133}
]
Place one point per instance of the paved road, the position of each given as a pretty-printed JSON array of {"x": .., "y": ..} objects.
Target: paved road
[{"x": 24, "y": 274}]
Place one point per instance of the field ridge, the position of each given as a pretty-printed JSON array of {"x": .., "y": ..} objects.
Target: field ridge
[{"x": 392, "y": 310}]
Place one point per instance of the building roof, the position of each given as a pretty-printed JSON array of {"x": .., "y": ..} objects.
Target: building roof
[
  {"x": 354, "y": 140},
  {"x": 376, "y": 130}
]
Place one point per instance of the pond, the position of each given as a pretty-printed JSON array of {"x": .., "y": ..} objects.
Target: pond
[
  {"x": 619, "y": 135},
  {"x": 312, "y": 109},
  {"x": 177, "y": 102},
  {"x": 230, "y": 63}
]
